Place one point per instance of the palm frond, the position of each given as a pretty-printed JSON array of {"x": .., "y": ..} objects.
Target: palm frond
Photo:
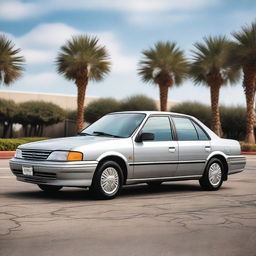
[
  {"x": 11, "y": 64},
  {"x": 164, "y": 59},
  {"x": 82, "y": 55},
  {"x": 211, "y": 59}
]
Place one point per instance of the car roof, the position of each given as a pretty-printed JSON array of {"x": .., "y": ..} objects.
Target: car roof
[{"x": 150, "y": 113}]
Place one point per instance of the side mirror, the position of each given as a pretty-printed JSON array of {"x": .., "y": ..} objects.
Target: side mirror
[{"x": 145, "y": 136}]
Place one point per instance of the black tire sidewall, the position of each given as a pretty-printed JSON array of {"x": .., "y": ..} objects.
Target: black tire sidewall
[
  {"x": 205, "y": 182},
  {"x": 96, "y": 186}
]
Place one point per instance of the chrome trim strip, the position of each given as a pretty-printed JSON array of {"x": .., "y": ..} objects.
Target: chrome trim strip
[
  {"x": 168, "y": 162},
  {"x": 165, "y": 178}
]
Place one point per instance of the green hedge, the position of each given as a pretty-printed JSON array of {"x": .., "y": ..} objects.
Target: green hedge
[
  {"x": 12, "y": 144},
  {"x": 246, "y": 147}
]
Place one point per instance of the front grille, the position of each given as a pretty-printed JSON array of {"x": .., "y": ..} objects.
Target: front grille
[
  {"x": 36, "y": 175},
  {"x": 35, "y": 154}
]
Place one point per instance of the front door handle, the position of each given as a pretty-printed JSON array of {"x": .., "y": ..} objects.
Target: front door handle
[
  {"x": 172, "y": 149},
  {"x": 207, "y": 148}
]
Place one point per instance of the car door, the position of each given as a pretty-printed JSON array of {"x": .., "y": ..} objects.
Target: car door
[
  {"x": 194, "y": 146},
  {"x": 159, "y": 157}
]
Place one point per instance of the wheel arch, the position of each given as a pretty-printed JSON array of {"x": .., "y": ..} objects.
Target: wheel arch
[
  {"x": 223, "y": 158},
  {"x": 117, "y": 157}
]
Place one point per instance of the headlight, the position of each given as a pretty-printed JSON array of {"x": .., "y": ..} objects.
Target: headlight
[
  {"x": 18, "y": 153},
  {"x": 65, "y": 156}
]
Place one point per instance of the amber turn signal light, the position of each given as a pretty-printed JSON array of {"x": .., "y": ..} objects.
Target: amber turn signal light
[{"x": 75, "y": 156}]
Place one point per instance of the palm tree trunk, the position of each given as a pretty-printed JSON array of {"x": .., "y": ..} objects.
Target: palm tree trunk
[
  {"x": 216, "y": 124},
  {"x": 248, "y": 84},
  {"x": 81, "y": 90},
  {"x": 163, "y": 96}
]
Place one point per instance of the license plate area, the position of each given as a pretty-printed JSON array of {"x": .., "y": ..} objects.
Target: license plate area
[{"x": 27, "y": 170}]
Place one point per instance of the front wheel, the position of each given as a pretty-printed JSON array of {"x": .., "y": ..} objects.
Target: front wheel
[
  {"x": 107, "y": 180},
  {"x": 213, "y": 175},
  {"x": 49, "y": 188}
]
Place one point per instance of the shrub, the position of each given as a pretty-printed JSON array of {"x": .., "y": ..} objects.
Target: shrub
[
  {"x": 246, "y": 147},
  {"x": 233, "y": 122},
  {"x": 98, "y": 108},
  {"x": 198, "y": 110},
  {"x": 138, "y": 102},
  {"x": 8, "y": 111},
  {"x": 12, "y": 144}
]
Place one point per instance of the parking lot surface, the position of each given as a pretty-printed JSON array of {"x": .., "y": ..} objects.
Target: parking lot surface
[{"x": 178, "y": 218}]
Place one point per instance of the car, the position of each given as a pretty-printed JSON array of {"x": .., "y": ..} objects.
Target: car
[{"x": 130, "y": 147}]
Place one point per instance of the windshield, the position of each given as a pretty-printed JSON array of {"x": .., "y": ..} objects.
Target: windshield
[{"x": 115, "y": 125}]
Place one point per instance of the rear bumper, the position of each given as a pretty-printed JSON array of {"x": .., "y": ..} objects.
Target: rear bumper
[
  {"x": 236, "y": 164},
  {"x": 73, "y": 174}
]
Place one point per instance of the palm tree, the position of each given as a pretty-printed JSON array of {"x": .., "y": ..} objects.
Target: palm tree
[
  {"x": 211, "y": 67},
  {"x": 164, "y": 65},
  {"x": 81, "y": 59},
  {"x": 244, "y": 55},
  {"x": 11, "y": 64}
]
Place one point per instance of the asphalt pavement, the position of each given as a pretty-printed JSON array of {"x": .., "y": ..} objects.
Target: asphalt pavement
[{"x": 176, "y": 219}]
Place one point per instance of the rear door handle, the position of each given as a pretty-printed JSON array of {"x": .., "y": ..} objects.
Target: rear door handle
[
  {"x": 172, "y": 149},
  {"x": 207, "y": 148}
]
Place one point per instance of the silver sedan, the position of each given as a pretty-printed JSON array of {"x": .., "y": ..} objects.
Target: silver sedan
[{"x": 127, "y": 148}]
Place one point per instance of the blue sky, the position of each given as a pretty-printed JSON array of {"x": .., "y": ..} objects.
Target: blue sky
[{"x": 126, "y": 28}]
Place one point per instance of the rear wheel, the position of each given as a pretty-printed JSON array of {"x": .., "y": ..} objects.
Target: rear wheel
[
  {"x": 107, "y": 181},
  {"x": 213, "y": 175},
  {"x": 49, "y": 188}
]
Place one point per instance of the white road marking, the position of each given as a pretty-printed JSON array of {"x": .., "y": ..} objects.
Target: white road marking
[
  {"x": 4, "y": 168},
  {"x": 6, "y": 177}
]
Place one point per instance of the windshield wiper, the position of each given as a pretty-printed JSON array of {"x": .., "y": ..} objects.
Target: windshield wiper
[
  {"x": 106, "y": 134},
  {"x": 84, "y": 134}
]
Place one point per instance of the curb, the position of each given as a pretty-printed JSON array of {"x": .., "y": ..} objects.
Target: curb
[
  {"x": 248, "y": 153},
  {"x": 6, "y": 154}
]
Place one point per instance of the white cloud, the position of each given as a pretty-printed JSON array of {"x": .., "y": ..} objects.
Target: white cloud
[
  {"x": 16, "y": 9},
  {"x": 41, "y": 44},
  {"x": 152, "y": 20}
]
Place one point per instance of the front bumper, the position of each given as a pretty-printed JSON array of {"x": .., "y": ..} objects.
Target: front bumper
[
  {"x": 70, "y": 174},
  {"x": 236, "y": 164}
]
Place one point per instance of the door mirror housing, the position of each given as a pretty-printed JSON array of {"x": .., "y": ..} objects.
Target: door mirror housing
[{"x": 145, "y": 136}]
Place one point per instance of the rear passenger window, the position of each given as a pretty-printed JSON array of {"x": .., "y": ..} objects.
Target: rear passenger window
[
  {"x": 160, "y": 126},
  {"x": 201, "y": 133},
  {"x": 185, "y": 129}
]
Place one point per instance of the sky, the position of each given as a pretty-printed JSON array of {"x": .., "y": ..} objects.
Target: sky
[{"x": 126, "y": 28}]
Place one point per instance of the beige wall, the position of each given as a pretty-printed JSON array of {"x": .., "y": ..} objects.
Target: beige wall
[{"x": 64, "y": 101}]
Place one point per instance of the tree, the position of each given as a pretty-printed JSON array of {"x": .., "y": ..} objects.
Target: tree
[
  {"x": 211, "y": 67},
  {"x": 164, "y": 65},
  {"x": 11, "y": 65},
  {"x": 38, "y": 114},
  {"x": 81, "y": 59},
  {"x": 8, "y": 110},
  {"x": 137, "y": 103},
  {"x": 244, "y": 56},
  {"x": 98, "y": 108}
]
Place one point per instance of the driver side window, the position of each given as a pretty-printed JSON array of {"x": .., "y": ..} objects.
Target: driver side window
[{"x": 160, "y": 126}]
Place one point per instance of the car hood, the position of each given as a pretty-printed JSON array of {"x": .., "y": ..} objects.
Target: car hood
[{"x": 67, "y": 143}]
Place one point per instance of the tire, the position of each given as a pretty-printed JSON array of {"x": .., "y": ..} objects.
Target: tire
[
  {"x": 154, "y": 184},
  {"x": 213, "y": 175},
  {"x": 49, "y": 188},
  {"x": 107, "y": 181}
]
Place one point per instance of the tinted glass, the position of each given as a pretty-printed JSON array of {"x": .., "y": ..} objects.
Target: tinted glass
[
  {"x": 160, "y": 126},
  {"x": 185, "y": 129},
  {"x": 120, "y": 125},
  {"x": 201, "y": 134}
]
